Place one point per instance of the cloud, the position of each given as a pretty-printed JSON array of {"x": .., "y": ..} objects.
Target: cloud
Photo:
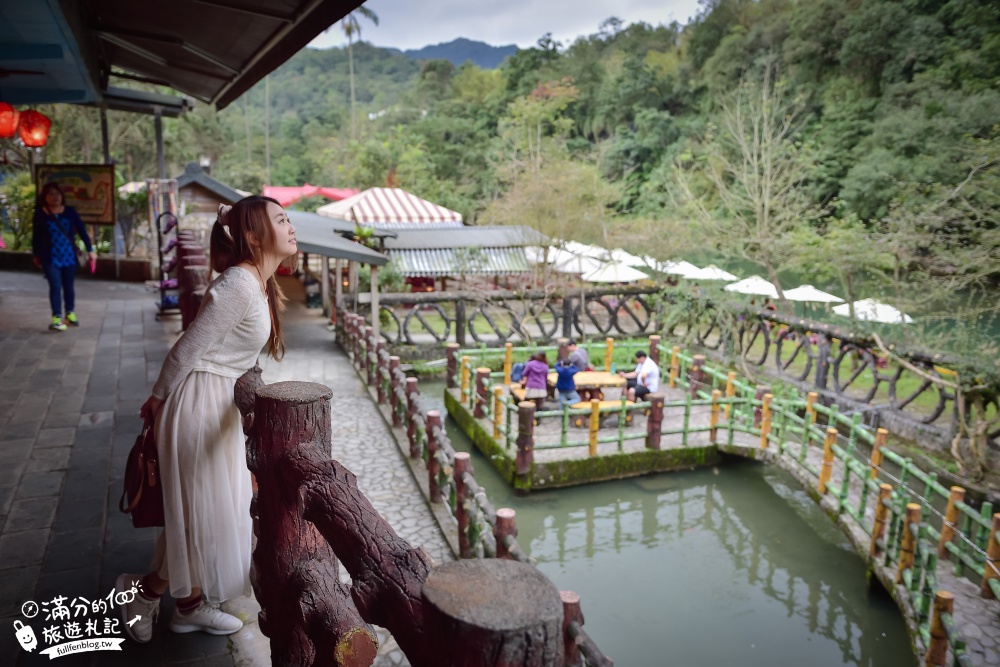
[{"x": 409, "y": 25}]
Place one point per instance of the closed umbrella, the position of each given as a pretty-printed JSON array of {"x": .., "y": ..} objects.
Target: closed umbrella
[
  {"x": 811, "y": 294},
  {"x": 871, "y": 310},
  {"x": 614, "y": 272},
  {"x": 753, "y": 285}
]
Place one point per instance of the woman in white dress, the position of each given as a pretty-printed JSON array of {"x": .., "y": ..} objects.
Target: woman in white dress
[{"x": 203, "y": 554}]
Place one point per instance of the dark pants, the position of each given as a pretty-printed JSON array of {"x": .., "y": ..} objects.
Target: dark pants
[{"x": 61, "y": 284}]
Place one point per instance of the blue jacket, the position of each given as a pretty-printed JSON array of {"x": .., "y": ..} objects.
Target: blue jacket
[
  {"x": 565, "y": 381},
  {"x": 41, "y": 241}
]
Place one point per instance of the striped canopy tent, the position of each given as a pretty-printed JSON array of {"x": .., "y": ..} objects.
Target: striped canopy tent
[{"x": 391, "y": 208}]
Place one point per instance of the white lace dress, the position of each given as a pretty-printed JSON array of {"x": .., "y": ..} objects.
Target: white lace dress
[{"x": 205, "y": 541}]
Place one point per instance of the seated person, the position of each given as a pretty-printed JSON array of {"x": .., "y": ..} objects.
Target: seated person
[
  {"x": 644, "y": 380},
  {"x": 565, "y": 383},
  {"x": 578, "y": 356},
  {"x": 535, "y": 378}
]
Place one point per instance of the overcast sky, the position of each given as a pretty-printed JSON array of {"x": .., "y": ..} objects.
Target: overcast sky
[{"x": 406, "y": 24}]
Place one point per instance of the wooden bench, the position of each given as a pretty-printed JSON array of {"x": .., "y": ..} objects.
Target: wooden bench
[
  {"x": 582, "y": 421},
  {"x": 517, "y": 391}
]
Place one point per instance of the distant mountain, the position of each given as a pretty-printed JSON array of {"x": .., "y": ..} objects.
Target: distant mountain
[{"x": 459, "y": 50}]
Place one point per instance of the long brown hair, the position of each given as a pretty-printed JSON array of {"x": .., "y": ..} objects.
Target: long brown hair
[{"x": 248, "y": 237}]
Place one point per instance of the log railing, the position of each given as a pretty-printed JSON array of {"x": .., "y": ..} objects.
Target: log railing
[{"x": 485, "y": 534}]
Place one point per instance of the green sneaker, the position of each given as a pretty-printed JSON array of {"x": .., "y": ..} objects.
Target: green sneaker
[
  {"x": 57, "y": 324},
  {"x": 72, "y": 320}
]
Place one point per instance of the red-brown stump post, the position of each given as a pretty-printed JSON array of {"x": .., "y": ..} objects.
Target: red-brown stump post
[
  {"x": 482, "y": 395},
  {"x": 493, "y": 613},
  {"x": 571, "y": 614},
  {"x": 355, "y": 334},
  {"x": 433, "y": 467},
  {"x": 372, "y": 357},
  {"x": 397, "y": 420},
  {"x": 191, "y": 277},
  {"x": 654, "y": 422},
  {"x": 463, "y": 464},
  {"x": 654, "y": 349},
  {"x": 451, "y": 350},
  {"x": 696, "y": 377},
  {"x": 506, "y": 526},
  {"x": 307, "y": 613},
  {"x": 937, "y": 649},
  {"x": 382, "y": 366},
  {"x": 411, "y": 410},
  {"x": 758, "y": 410},
  {"x": 563, "y": 352},
  {"x": 525, "y": 445}
]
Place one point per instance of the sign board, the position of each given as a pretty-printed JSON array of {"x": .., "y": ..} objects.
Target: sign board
[{"x": 89, "y": 188}]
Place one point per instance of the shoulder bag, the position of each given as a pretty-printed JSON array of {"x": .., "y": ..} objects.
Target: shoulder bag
[
  {"x": 81, "y": 255},
  {"x": 142, "y": 496}
]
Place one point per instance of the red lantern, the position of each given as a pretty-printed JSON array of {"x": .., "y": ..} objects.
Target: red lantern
[
  {"x": 34, "y": 128},
  {"x": 8, "y": 120}
]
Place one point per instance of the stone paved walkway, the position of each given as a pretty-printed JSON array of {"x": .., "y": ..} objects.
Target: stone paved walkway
[{"x": 68, "y": 416}]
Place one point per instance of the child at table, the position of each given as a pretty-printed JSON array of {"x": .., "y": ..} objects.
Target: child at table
[
  {"x": 536, "y": 373},
  {"x": 565, "y": 384}
]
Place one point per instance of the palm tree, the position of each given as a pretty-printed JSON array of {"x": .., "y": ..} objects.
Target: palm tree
[{"x": 352, "y": 27}]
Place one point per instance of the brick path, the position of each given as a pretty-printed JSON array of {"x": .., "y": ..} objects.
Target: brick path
[{"x": 68, "y": 416}]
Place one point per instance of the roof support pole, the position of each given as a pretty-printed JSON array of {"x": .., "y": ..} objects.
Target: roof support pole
[
  {"x": 375, "y": 313},
  {"x": 161, "y": 169},
  {"x": 338, "y": 286},
  {"x": 104, "y": 135},
  {"x": 324, "y": 288}
]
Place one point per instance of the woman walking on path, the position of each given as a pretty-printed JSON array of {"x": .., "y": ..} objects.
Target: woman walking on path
[
  {"x": 53, "y": 243},
  {"x": 203, "y": 554}
]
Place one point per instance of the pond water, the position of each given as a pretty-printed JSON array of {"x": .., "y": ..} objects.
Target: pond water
[{"x": 730, "y": 565}]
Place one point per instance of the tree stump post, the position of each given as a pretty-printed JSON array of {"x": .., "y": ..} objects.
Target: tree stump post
[
  {"x": 654, "y": 348},
  {"x": 992, "y": 559},
  {"x": 675, "y": 365},
  {"x": 822, "y": 360},
  {"x": 881, "y": 518},
  {"x": 908, "y": 543},
  {"x": 563, "y": 352},
  {"x": 463, "y": 464},
  {"x": 451, "y": 352},
  {"x": 508, "y": 361},
  {"x": 380, "y": 349},
  {"x": 713, "y": 421},
  {"x": 826, "y": 468},
  {"x": 881, "y": 436},
  {"x": 371, "y": 358},
  {"x": 433, "y": 466},
  {"x": 937, "y": 649},
  {"x": 307, "y": 613},
  {"x": 525, "y": 443},
  {"x": 482, "y": 394},
  {"x": 192, "y": 275},
  {"x": 571, "y": 614},
  {"x": 412, "y": 389},
  {"x": 696, "y": 377},
  {"x": 397, "y": 421},
  {"x": 493, "y": 613},
  {"x": 506, "y": 526},
  {"x": 655, "y": 421},
  {"x": 956, "y": 495},
  {"x": 765, "y": 420}
]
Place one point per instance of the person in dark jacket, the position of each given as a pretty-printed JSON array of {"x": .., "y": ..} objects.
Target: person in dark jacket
[{"x": 53, "y": 239}]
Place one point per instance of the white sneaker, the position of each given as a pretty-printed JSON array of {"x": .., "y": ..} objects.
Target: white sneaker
[
  {"x": 206, "y": 618},
  {"x": 142, "y": 630}
]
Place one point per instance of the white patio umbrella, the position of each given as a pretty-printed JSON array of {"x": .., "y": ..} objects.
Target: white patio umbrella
[
  {"x": 680, "y": 268},
  {"x": 585, "y": 250},
  {"x": 811, "y": 294},
  {"x": 871, "y": 310},
  {"x": 614, "y": 272},
  {"x": 753, "y": 285},
  {"x": 627, "y": 258},
  {"x": 711, "y": 272},
  {"x": 576, "y": 264}
]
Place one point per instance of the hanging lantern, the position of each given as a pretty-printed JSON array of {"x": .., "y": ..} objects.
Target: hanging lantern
[
  {"x": 34, "y": 128},
  {"x": 8, "y": 120}
]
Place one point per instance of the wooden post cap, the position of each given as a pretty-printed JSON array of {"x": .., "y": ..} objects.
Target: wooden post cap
[
  {"x": 433, "y": 414},
  {"x": 295, "y": 392},
  {"x": 493, "y": 611}
]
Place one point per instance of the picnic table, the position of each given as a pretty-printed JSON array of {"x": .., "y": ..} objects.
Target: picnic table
[{"x": 589, "y": 384}]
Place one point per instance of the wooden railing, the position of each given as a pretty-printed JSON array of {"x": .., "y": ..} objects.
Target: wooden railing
[{"x": 484, "y": 533}]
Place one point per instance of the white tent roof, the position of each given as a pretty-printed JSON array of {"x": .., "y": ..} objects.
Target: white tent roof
[
  {"x": 753, "y": 285},
  {"x": 680, "y": 268},
  {"x": 614, "y": 272},
  {"x": 585, "y": 250},
  {"x": 871, "y": 310},
  {"x": 388, "y": 207},
  {"x": 576, "y": 264},
  {"x": 711, "y": 272},
  {"x": 627, "y": 258},
  {"x": 810, "y": 293}
]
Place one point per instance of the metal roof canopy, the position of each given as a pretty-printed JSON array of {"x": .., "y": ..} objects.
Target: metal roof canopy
[
  {"x": 315, "y": 236},
  {"x": 213, "y": 50},
  {"x": 465, "y": 237}
]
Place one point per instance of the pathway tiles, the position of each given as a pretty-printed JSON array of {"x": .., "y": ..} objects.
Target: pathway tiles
[{"x": 68, "y": 416}]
